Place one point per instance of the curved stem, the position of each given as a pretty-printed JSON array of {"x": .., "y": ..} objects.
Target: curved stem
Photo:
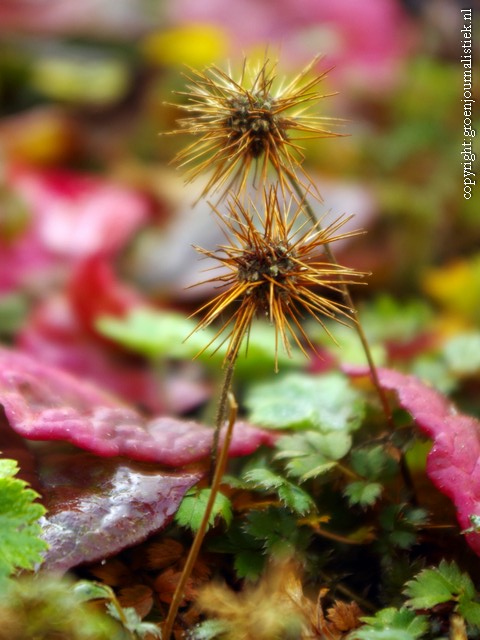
[
  {"x": 347, "y": 298},
  {"x": 219, "y": 468}
]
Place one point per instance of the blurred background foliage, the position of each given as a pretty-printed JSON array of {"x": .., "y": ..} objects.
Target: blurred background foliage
[{"x": 88, "y": 87}]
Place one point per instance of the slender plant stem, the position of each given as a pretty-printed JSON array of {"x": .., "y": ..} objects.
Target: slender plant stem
[
  {"x": 347, "y": 298},
  {"x": 226, "y": 398},
  {"x": 221, "y": 414}
]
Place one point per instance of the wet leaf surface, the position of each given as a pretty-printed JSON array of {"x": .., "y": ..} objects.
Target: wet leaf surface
[
  {"x": 43, "y": 403},
  {"x": 96, "y": 508}
]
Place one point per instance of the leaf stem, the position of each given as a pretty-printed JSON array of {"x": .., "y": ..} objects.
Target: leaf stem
[
  {"x": 220, "y": 461},
  {"x": 347, "y": 298}
]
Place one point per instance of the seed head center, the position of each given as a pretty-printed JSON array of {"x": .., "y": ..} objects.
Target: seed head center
[
  {"x": 262, "y": 266},
  {"x": 253, "y": 116}
]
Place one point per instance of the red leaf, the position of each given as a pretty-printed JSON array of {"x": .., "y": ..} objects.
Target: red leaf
[
  {"x": 43, "y": 403},
  {"x": 453, "y": 463},
  {"x": 71, "y": 216},
  {"x": 94, "y": 290},
  {"x": 97, "y": 507}
]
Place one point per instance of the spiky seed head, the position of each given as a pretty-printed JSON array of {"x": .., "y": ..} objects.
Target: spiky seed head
[
  {"x": 274, "y": 269},
  {"x": 243, "y": 126}
]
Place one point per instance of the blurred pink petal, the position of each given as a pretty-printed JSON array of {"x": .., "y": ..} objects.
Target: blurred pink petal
[
  {"x": 72, "y": 216},
  {"x": 121, "y": 18},
  {"x": 44, "y": 403},
  {"x": 360, "y": 38},
  {"x": 61, "y": 332}
]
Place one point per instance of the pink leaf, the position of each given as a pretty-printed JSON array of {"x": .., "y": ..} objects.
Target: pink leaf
[
  {"x": 96, "y": 508},
  {"x": 62, "y": 332},
  {"x": 72, "y": 216},
  {"x": 43, "y": 403},
  {"x": 453, "y": 463}
]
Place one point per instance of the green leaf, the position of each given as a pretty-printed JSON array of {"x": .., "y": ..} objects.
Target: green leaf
[
  {"x": 399, "y": 525},
  {"x": 192, "y": 508},
  {"x": 130, "y": 619},
  {"x": 387, "y": 319},
  {"x": 351, "y": 349},
  {"x": 249, "y": 564},
  {"x": 278, "y": 530},
  {"x": 363, "y": 493},
  {"x": 299, "y": 401},
  {"x": 166, "y": 334},
  {"x": 21, "y": 546},
  {"x": 312, "y": 453},
  {"x": 156, "y": 333},
  {"x": 434, "y": 586},
  {"x": 209, "y": 629},
  {"x": 392, "y": 624},
  {"x": 462, "y": 353},
  {"x": 470, "y": 611},
  {"x": 86, "y": 590},
  {"x": 373, "y": 463},
  {"x": 249, "y": 556},
  {"x": 291, "y": 495}
]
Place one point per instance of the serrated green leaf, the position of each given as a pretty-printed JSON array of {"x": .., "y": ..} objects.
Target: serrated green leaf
[
  {"x": 249, "y": 564},
  {"x": 310, "y": 453},
  {"x": 249, "y": 557},
  {"x": 299, "y": 401},
  {"x": 434, "y": 586},
  {"x": 277, "y": 529},
  {"x": 392, "y": 624},
  {"x": 295, "y": 498},
  {"x": 292, "y": 496},
  {"x": 470, "y": 611},
  {"x": 399, "y": 523},
  {"x": 263, "y": 478},
  {"x": 21, "y": 546},
  {"x": 192, "y": 508},
  {"x": 363, "y": 493},
  {"x": 373, "y": 463}
]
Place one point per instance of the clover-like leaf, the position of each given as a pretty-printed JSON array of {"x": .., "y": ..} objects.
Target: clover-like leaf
[
  {"x": 308, "y": 454},
  {"x": 363, "y": 493},
  {"x": 298, "y": 401}
]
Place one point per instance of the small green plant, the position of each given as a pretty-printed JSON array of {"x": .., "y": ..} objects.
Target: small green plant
[{"x": 21, "y": 546}]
